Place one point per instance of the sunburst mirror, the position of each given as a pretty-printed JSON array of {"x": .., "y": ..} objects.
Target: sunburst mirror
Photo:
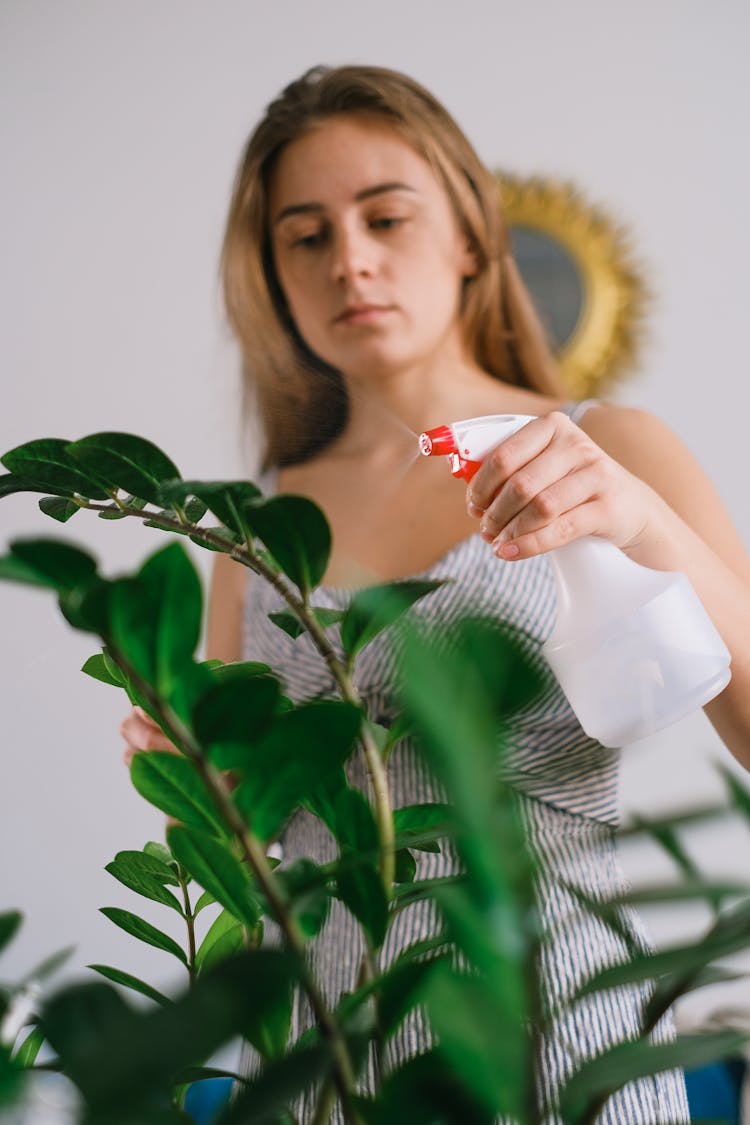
[{"x": 579, "y": 267}]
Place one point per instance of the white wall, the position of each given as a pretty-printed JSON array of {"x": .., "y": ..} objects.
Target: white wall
[{"x": 120, "y": 126}]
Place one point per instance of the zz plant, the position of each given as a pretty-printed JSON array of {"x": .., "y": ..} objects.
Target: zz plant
[{"x": 477, "y": 979}]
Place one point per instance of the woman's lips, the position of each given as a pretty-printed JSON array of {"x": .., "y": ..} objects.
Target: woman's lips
[{"x": 363, "y": 314}]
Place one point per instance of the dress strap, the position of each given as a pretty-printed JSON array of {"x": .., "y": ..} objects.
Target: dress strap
[{"x": 576, "y": 410}]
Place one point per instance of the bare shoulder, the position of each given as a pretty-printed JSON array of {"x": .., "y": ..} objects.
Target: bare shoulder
[
  {"x": 645, "y": 445},
  {"x": 225, "y": 610},
  {"x": 638, "y": 439}
]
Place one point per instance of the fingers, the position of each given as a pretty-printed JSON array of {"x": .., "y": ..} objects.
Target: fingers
[
  {"x": 140, "y": 732},
  {"x": 549, "y": 484}
]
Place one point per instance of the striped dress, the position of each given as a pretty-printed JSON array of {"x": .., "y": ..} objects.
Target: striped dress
[{"x": 568, "y": 788}]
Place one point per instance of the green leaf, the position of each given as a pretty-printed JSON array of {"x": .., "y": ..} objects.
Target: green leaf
[
  {"x": 156, "y": 617},
  {"x": 48, "y": 562},
  {"x": 143, "y": 884},
  {"x": 144, "y": 931},
  {"x": 292, "y": 760},
  {"x": 154, "y": 849},
  {"x": 214, "y": 867},
  {"x": 224, "y": 938},
  {"x": 59, "y": 508},
  {"x": 469, "y": 1024},
  {"x": 128, "y": 981},
  {"x": 599, "y": 1078},
  {"x": 11, "y": 483},
  {"x": 48, "y": 462},
  {"x": 296, "y": 533},
  {"x": 415, "y": 825},
  {"x": 87, "y": 607},
  {"x": 233, "y": 713},
  {"x": 124, "y": 1060},
  {"x": 151, "y": 863},
  {"x": 405, "y": 866},
  {"x": 125, "y": 461},
  {"x": 172, "y": 783},
  {"x": 305, "y": 886},
  {"x": 375, "y": 608},
  {"x": 425, "y": 1090},
  {"x": 26, "y": 1054},
  {"x": 361, "y": 889},
  {"x": 10, "y": 921},
  {"x": 206, "y": 899},
  {"x": 400, "y": 987},
  {"x": 355, "y": 826},
  {"x": 266, "y": 1097},
  {"x": 291, "y": 625},
  {"x": 225, "y": 499},
  {"x": 99, "y": 669}
]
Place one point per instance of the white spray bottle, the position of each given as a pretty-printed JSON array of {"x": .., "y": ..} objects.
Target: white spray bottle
[{"x": 632, "y": 648}]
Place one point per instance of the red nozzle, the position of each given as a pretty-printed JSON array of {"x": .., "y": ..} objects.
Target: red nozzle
[{"x": 440, "y": 441}]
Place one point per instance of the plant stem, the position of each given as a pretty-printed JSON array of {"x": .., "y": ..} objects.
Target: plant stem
[
  {"x": 190, "y": 923},
  {"x": 256, "y": 859}
]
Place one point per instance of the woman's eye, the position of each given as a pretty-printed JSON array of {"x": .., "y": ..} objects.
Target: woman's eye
[
  {"x": 309, "y": 240},
  {"x": 386, "y": 222}
]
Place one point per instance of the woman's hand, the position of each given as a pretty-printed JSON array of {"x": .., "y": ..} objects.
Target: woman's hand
[
  {"x": 548, "y": 484},
  {"x": 141, "y": 733}
]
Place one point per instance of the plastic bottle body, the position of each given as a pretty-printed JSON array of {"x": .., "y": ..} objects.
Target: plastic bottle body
[{"x": 632, "y": 648}]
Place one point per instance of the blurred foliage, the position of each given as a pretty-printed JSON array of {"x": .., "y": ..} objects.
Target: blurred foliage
[{"x": 476, "y": 979}]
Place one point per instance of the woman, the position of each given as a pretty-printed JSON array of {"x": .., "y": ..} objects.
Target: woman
[{"x": 369, "y": 282}]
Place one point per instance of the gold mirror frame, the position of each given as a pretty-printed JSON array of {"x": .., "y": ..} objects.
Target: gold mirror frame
[{"x": 604, "y": 344}]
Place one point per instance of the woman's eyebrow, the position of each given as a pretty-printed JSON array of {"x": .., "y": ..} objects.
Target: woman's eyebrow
[{"x": 365, "y": 193}]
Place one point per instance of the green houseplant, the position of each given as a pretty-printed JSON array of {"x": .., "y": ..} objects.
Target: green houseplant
[{"x": 478, "y": 978}]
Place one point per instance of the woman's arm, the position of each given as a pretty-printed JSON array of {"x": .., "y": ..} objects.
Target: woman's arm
[{"x": 623, "y": 475}]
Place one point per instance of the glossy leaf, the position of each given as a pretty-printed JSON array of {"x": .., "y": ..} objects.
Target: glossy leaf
[
  {"x": 48, "y": 562},
  {"x": 225, "y": 499},
  {"x": 291, "y": 625},
  {"x": 234, "y": 713},
  {"x": 224, "y": 937},
  {"x": 470, "y": 1025},
  {"x": 305, "y": 885},
  {"x": 401, "y": 986},
  {"x": 265, "y": 1097},
  {"x": 87, "y": 607},
  {"x": 117, "y": 976},
  {"x": 290, "y": 762},
  {"x": 125, "y": 461},
  {"x": 214, "y": 867},
  {"x": 144, "y": 931},
  {"x": 375, "y": 608},
  {"x": 26, "y": 1054},
  {"x": 423, "y": 1091},
  {"x": 158, "y": 864},
  {"x": 48, "y": 462},
  {"x": 598, "y": 1078},
  {"x": 143, "y": 884},
  {"x": 10, "y": 922},
  {"x": 125, "y": 1059},
  {"x": 355, "y": 826},
  {"x": 12, "y": 483},
  {"x": 361, "y": 889},
  {"x": 296, "y": 533},
  {"x": 405, "y": 866},
  {"x": 416, "y": 826},
  {"x": 206, "y": 899},
  {"x": 98, "y": 668},
  {"x": 172, "y": 783},
  {"x": 155, "y": 618},
  {"x": 59, "y": 508}
]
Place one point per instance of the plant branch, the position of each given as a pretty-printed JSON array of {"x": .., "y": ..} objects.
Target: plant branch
[
  {"x": 254, "y": 855},
  {"x": 305, "y": 614}
]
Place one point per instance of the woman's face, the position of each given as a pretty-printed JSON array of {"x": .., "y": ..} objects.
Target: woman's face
[{"x": 367, "y": 249}]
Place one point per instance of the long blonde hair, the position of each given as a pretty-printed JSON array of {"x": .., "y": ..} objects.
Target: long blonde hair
[{"x": 302, "y": 401}]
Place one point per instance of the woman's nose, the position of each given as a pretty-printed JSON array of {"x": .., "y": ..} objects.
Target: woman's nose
[{"x": 352, "y": 256}]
